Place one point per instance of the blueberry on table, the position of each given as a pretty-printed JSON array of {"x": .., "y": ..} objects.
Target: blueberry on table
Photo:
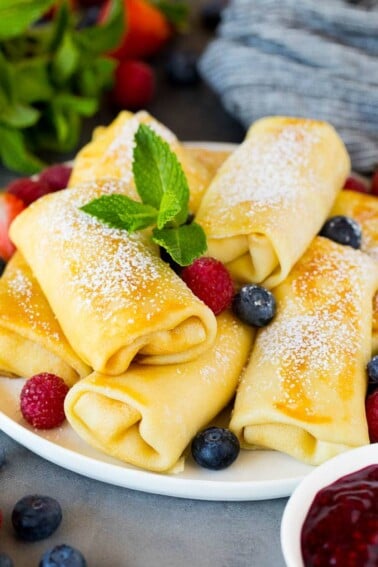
[
  {"x": 215, "y": 448},
  {"x": 62, "y": 556},
  {"x": 5, "y": 560},
  {"x": 254, "y": 305},
  {"x": 36, "y": 517},
  {"x": 182, "y": 69},
  {"x": 343, "y": 230},
  {"x": 372, "y": 370}
]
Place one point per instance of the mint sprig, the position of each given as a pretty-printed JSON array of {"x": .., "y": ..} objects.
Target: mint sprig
[{"x": 162, "y": 186}]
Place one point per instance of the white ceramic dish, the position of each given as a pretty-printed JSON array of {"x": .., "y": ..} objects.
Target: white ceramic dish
[{"x": 302, "y": 497}]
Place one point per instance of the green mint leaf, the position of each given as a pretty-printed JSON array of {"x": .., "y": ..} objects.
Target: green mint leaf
[
  {"x": 119, "y": 211},
  {"x": 184, "y": 244},
  {"x": 159, "y": 178},
  {"x": 19, "y": 116},
  {"x": 66, "y": 60},
  {"x": 32, "y": 79},
  {"x": 14, "y": 153},
  {"x": 17, "y": 15},
  {"x": 102, "y": 38},
  {"x": 176, "y": 12}
]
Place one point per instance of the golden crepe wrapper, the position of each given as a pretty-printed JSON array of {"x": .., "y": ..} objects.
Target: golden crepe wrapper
[
  {"x": 271, "y": 197},
  {"x": 364, "y": 209},
  {"x": 303, "y": 392},
  {"x": 110, "y": 154},
  {"x": 31, "y": 340},
  {"x": 148, "y": 415},
  {"x": 111, "y": 293}
]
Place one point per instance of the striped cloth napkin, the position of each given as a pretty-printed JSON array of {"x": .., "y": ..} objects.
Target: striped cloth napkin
[{"x": 310, "y": 58}]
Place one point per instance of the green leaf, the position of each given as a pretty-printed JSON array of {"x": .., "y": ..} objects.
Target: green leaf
[
  {"x": 32, "y": 80},
  {"x": 176, "y": 12},
  {"x": 184, "y": 244},
  {"x": 159, "y": 178},
  {"x": 17, "y": 15},
  {"x": 14, "y": 153},
  {"x": 66, "y": 60},
  {"x": 119, "y": 211},
  {"x": 82, "y": 105},
  {"x": 20, "y": 116},
  {"x": 6, "y": 78},
  {"x": 104, "y": 37},
  {"x": 95, "y": 76}
]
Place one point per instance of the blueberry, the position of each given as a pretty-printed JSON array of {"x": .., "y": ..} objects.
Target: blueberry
[
  {"x": 62, "y": 556},
  {"x": 36, "y": 517},
  {"x": 5, "y": 560},
  {"x": 343, "y": 230},
  {"x": 211, "y": 13},
  {"x": 372, "y": 370},
  {"x": 2, "y": 265},
  {"x": 182, "y": 68},
  {"x": 255, "y": 305},
  {"x": 215, "y": 448}
]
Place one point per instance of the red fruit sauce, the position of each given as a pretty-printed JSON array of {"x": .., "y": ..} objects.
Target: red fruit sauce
[{"x": 341, "y": 527}]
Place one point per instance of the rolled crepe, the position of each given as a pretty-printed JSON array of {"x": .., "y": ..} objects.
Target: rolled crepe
[
  {"x": 148, "y": 415},
  {"x": 303, "y": 392},
  {"x": 364, "y": 209},
  {"x": 271, "y": 197},
  {"x": 110, "y": 154},
  {"x": 111, "y": 293},
  {"x": 31, "y": 340}
]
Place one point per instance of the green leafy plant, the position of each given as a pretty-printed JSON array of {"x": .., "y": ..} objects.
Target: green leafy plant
[
  {"x": 164, "y": 192},
  {"x": 52, "y": 74}
]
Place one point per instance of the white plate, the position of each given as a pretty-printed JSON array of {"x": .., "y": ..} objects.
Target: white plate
[{"x": 298, "y": 505}]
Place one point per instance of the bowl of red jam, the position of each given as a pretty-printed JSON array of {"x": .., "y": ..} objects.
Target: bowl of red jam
[{"x": 331, "y": 519}]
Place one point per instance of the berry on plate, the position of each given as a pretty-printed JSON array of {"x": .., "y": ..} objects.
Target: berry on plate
[
  {"x": 210, "y": 280},
  {"x": 63, "y": 556},
  {"x": 27, "y": 189},
  {"x": 343, "y": 230},
  {"x": 254, "y": 305},
  {"x": 56, "y": 176},
  {"x": 134, "y": 84},
  {"x": 215, "y": 448},
  {"x": 10, "y": 207},
  {"x": 372, "y": 415},
  {"x": 354, "y": 184},
  {"x": 372, "y": 370},
  {"x": 36, "y": 517},
  {"x": 42, "y": 400}
]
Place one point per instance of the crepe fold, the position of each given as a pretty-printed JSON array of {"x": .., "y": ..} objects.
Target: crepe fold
[
  {"x": 271, "y": 197},
  {"x": 148, "y": 415},
  {"x": 364, "y": 209},
  {"x": 110, "y": 291},
  {"x": 303, "y": 392},
  {"x": 110, "y": 154},
  {"x": 31, "y": 340}
]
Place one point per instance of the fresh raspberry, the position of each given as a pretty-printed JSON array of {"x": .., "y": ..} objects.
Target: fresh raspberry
[
  {"x": 134, "y": 84},
  {"x": 372, "y": 415},
  {"x": 28, "y": 190},
  {"x": 354, "y": 184},
  {"x": 210, "y": 280},
  {"x": 374, "y": 183},
  {"x": 56, "y": 176},
  {"x": 42, "y": 400}
]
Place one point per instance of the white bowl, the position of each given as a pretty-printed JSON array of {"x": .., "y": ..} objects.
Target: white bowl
[{"x": 300, "y": 501}]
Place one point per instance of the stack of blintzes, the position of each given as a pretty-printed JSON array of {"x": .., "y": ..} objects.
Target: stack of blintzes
[{"x": 147, "y": 362}]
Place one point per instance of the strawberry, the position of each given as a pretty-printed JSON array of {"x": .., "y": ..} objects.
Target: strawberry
[
  {"x": 10, "y": 207},
  {"x": 374, "y": 183},
  {"x": 134, "y": 84},
  {"x": 147, "y": 29}
]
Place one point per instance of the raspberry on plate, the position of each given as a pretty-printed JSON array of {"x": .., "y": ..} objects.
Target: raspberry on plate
[
  {"x": 27, "y": 189},
  {"x": 56, "y": 176},
  {"x": 210, "y": 280},
  {"x": 354, "y": 184},
  {"x": 372, "y": 415},
  {"x": 42, "y": 400}
]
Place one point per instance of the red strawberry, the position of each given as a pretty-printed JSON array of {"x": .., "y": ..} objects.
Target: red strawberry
[
  {"x": 28, "y": 190},
  {"x": 374, "y": 183},
  {"x": 10, "y": 207},
  {"x": 210, "y": 280},
  {"x": 56, "y": 176},
  {"x": 42, "y": 400},
  {"x": 354, "y": 184},
  {"x": 134, "y": 84}
]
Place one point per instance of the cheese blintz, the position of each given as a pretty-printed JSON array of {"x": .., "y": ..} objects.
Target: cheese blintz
[{"x": 303, "y": 391}]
